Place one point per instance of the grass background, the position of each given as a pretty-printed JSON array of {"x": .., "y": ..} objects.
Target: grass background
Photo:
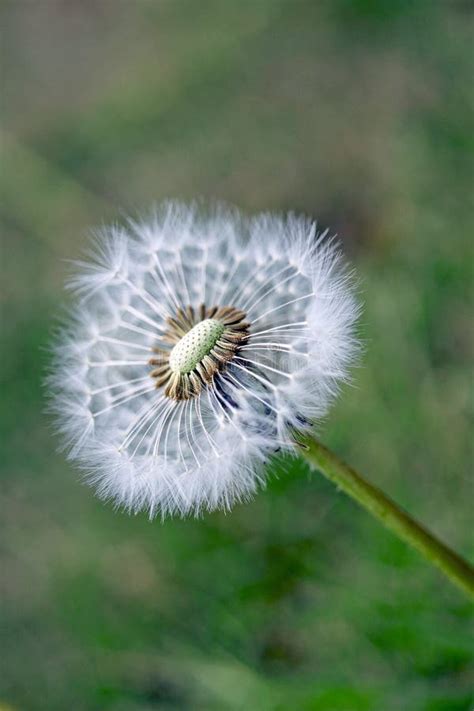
[{"x": 357, "y": 113}]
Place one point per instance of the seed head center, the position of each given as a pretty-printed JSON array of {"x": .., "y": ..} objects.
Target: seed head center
[{"x": 196, "y": 344}]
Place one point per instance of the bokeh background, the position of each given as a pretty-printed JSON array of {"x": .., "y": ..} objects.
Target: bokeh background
[{"x": 356, "y": 112}]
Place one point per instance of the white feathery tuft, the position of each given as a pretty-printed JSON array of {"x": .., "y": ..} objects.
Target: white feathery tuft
[{"x": 144, "y": 449}]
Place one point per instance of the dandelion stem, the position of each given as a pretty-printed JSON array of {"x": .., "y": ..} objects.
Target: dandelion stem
[{"x": 454, "y": 567}]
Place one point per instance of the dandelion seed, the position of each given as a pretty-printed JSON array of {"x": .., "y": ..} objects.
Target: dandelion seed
[{"x": 198, "y": 343}]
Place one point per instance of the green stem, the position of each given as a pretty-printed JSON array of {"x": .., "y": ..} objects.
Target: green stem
[{"x": 458, "y": 570}]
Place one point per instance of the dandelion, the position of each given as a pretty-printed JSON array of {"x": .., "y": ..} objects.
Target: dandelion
[
  {"x": 198, "y": 344},
  {"x": 201, "y": 344}
]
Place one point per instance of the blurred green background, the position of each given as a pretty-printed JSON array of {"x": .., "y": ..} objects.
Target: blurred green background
[{"x": 356, "y": 112}]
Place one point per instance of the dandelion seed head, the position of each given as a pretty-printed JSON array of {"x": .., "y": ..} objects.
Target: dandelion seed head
[{"x": 198, "y": 342}]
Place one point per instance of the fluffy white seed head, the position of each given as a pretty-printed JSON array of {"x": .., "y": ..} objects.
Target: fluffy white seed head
[{"x": 199, "y": 341}]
